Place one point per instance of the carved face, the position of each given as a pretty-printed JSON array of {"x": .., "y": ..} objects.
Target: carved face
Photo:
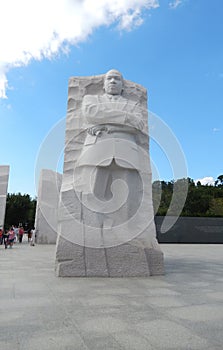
[{"x": 113, "y": 83}]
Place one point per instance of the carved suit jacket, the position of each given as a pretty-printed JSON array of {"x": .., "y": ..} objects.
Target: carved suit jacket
[{"x": 118, "y": 139}]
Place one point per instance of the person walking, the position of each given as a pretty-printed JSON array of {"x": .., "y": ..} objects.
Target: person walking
[
  {"x": 16, "y": 230},
  {"x": 5, "y": 238},
  {"x": 11, "y": 237},
  {"x": 21, "y": 233},
  {"x": 1, "y": 236},
  {"x": 32, "y": 241},
  {"x": 29, "y": 235}
]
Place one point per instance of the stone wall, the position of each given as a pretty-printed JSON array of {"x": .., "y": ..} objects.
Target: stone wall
[
  {"x": 191, "y": 230},
  {"x": 47, "y": 207}
]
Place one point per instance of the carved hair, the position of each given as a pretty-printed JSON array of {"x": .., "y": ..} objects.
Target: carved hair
[{"x": 114, "y": 71}]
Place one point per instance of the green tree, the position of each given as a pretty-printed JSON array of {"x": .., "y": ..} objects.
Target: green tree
[
  {"x": 202, "y": 200},
  {"x": 164, "y": 197},
  {"x": 20, "y": 209},
  {"x": 219, "y": 181},
  {"x": 157, "y": 193},
  {"x": 216, "y": 207}
]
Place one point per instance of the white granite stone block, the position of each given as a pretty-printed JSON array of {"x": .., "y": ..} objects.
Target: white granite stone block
[
  {"x": 4, "y": 176},
  {"x": 46, "y": 219}
]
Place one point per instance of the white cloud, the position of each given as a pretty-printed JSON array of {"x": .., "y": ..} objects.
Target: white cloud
[
  {"x": 34, "y": 29},
  {"x": 216, "y": 130},
  {"x": 3, "y": 82},
  {"x": 174, "y": 4},
  {"x": 208, "y": 180}
]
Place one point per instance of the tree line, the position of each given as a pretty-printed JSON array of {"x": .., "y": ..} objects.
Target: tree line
[
  {"x": 201, "y": 200},
  {"x": 20, "y": 210}
]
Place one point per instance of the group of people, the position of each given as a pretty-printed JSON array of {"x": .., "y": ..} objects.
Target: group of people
[{"x": 15, "y": 234}]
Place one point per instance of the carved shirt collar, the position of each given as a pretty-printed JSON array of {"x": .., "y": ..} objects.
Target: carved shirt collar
[{"x": 113, "y": 97}]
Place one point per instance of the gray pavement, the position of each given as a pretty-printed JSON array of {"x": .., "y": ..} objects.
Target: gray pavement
[{"x": 181, "y": 310}]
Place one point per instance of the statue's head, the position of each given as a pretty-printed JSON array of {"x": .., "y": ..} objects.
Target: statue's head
[{"x": 113, "y": 82}]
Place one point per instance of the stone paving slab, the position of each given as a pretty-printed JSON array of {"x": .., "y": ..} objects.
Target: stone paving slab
[{"x": 182, "y": 310}]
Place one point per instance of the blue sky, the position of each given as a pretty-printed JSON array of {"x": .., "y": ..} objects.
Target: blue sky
[{"x": 173, "y": 48}]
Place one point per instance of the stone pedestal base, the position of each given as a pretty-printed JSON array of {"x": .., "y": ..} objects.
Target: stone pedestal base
[{"x": 126, "y": 260}]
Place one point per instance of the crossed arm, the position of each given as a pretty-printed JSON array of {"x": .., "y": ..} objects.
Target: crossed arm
[{"x": 111, "y": 116}]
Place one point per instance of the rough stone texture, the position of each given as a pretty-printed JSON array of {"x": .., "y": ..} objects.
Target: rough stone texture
[
  {"x": 4, "y": 176},
  {"x": 47, "y": 207},
  {"x": 105, "y": 229}
]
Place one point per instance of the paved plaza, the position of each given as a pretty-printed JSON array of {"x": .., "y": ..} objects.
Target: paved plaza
[{"x": 181, "y": 310}]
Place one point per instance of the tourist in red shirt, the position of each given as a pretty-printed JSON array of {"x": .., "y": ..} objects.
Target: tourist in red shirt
[{"x": 21, "y": 233}]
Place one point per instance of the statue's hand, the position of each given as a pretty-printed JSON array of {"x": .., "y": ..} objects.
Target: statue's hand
[
  {"x": 96, "y": 130},
  {"x": 136, "y": 122}
]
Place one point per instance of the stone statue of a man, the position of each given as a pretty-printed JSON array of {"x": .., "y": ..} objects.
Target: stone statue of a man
[
  {"x": 113, "y": 125},
  {"x": 106, "y": 221}
]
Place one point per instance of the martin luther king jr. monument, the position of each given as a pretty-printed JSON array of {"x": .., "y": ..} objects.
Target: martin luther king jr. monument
[{"x": 105, "y": 218}]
